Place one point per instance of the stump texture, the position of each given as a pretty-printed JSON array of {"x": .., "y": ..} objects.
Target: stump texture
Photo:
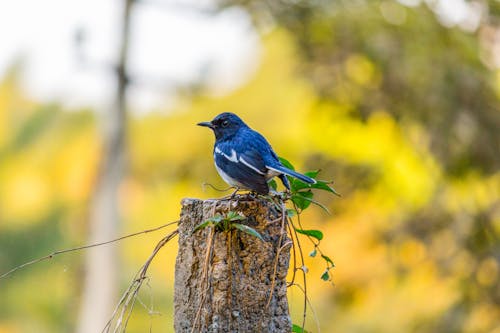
[{"x": 228, "y": 290}]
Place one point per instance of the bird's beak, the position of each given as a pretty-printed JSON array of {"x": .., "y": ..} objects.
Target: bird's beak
[{"x": 206, "y": 124}]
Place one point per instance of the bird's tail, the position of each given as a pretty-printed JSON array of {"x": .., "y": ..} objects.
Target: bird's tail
[{"x": 288, "y": 172}]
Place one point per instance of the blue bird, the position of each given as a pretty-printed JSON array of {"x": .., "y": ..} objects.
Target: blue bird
[{"x": 244, "y": 158}]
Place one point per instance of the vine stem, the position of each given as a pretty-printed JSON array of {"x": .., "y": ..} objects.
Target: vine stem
[{"x": 53, "y": 254}]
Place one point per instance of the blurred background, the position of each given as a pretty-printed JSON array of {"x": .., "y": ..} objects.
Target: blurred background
[{"x": 396, "y": 101}]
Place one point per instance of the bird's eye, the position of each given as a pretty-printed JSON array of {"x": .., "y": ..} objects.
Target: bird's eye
[{"x": 225, "y": 123}]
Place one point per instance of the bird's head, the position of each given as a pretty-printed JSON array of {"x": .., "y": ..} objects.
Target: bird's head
[{"x": 224, "y": 125}]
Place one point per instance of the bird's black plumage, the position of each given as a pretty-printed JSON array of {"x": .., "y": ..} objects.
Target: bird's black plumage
[{"x": 244, "y": 158}]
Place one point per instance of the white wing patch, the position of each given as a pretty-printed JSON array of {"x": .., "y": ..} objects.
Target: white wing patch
[
  {"x": 232, "y": 158},
  {"x": 251, "y": 166}
]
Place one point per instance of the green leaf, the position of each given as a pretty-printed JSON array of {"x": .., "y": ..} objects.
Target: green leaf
[
  {"x": 231, "y": 214},
  {"x": 313, "y": 174},
  {"x": 310, "y": 201},
  {"x": 313, "y": 253},
  {"x": 248, "y": 230},
  {"x": 302, "y": 199},
  {"x": 320, "y": 205},
  {"x": 298, "y": 329},
  {"x": 291, "y": 212},
  {"x": 328, "y": 260},
  {"x": 322, "y": 185},
  {"x": 297, "y": 185},
  {"x": 325, "y": 276},
  {"x": 272, "y": 184},
  {"x": 286, "y": 164},
  {"x": 313, "y": 233},
  {"x": 235, "y": 216},
  {"x": 202, "y": 225},
  {"x": 216, "y": 218}
]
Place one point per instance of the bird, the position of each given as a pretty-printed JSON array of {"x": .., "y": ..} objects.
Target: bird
[{"x": 244, "y": 158}]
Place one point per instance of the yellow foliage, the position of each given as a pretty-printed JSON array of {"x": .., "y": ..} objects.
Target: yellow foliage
[
  {"x": 484, "y": 318},
  {"x": 8, "y": 328},
  {"x": 361, "y": 70},
  {"x": 73, "y": 170},
  {"x": 472, "y": 193},
  {"x": 411, "y": 253},
  {"x": 25, "y": 192},
  {"x": 487, "y": 272},
  {"x": 409, "y": 175},
  {"x": 11, "y": 99}
]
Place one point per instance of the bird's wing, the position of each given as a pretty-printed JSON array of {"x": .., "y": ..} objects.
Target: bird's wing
[
  {"x": 272, "y": 162},
  {"x": 257, "y": 142},
  {"x": 279, "y": 168},
  {"x": 244, "y": 166}
]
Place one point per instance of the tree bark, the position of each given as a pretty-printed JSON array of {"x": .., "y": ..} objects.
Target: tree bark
[{"x": 223, "y": 279}]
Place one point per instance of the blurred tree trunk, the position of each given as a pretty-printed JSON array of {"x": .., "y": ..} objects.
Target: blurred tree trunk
[
  {"x": 227, "y": 289},
  {"x": 101, "y": 265}
]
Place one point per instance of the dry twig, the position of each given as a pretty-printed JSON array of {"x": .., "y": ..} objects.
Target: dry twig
[
  {"x": 127, "y": 302},
  {"x": 281, "y": 247}
]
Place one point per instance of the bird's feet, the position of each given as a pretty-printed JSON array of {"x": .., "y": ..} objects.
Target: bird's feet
[{"x": 232, "y": 195}]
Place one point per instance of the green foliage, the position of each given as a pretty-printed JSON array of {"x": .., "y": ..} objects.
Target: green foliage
[
  {"x": 329, "y": 265},
  {"x": 302, "y": 196},
  {"x": 313, "y": 233},
  {"x": 328, "y": 260},
  {"x": 286, "y": 163},
  {"x": 298, "y": 329},
  {"x": 302, "y": 199},
  {"x": 301, "y": 193},
  {"x": 325, "y": 276},
  {"x": 248, "y": 230},
  {"x": 291, "y": 212},
  {"x": 228, "y": 222}
]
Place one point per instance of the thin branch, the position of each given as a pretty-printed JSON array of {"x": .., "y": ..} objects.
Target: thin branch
[
  {"x": 315, "y": 242},
  {"x": 204, "y": 278},
  {"x": 316, "y": 319},
  {"x": 205, "y": 184},
  {"x": 302, "y": 267},
  {"x": 53, "y": 254},
  {"x": 204, "y": 273},
  {"x": 294, "y": 252},
  {"x": 278, "y": 253}
]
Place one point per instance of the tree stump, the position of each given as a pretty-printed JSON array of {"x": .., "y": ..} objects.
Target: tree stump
[{"x": 223, "y": 279}]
